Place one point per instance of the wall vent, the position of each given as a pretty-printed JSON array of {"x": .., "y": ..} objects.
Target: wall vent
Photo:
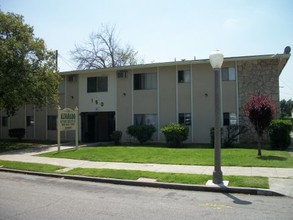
[
  {"x": 72, "y": 78},
  {"x": 122, "y": 74}
]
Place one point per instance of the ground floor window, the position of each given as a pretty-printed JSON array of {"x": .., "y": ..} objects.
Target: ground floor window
[
  {"x": 145, "y": 119},
  {"x": 4, "y": 121},
  {"x": 29, "y": 121},
  {"x": 185, "y": 118},
  {"x": 52, "y": 122},
  {"x": 229, "y": 118}
]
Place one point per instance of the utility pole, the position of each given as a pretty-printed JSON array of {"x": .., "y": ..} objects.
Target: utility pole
[{"x": 56, "y": 58}]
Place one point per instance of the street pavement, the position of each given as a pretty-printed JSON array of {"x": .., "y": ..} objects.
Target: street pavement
[
  {"x": 280, "y": 179},
  {"x": 26, "y": 197}
]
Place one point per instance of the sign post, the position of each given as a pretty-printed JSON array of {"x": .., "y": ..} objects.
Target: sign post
[{"x": 67, "y": 120}]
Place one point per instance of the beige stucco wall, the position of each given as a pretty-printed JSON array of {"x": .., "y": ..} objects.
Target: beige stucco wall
[
  {"x": 203, "y": 102},
  {"x": 124, "y": 104},
  {"x": 167, "y": 94},
  {"x": 92, "y": 102}
]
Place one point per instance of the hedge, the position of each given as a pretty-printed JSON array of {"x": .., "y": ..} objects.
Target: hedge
[{"x": 279, "y": 131}]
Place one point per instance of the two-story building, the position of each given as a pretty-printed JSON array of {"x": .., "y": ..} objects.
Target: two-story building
[{"x": 158, "y": 93}]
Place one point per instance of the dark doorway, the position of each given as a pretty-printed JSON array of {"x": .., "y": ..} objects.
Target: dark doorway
[{"x": 97, "y": 126}]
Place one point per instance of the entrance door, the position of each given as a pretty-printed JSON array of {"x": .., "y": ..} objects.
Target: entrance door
[{"x": 97, "y": 126}]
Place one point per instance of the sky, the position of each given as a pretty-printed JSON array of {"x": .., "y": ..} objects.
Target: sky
[{"x": 162, "y": 30}]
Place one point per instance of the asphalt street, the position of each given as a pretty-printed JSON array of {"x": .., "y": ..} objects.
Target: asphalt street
[{"x": 34, "y": 197}]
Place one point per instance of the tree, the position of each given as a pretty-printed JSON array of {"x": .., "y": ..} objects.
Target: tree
[
  {"x": 103, "y": 50},
  {"x": 26, "y": 66},
  {"x": 260, "y": 111},
  {"x": 286, "y": 108}
]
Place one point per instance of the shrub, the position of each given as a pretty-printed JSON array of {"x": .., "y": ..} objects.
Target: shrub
[
  {"x": 116, "y": 137},
  {"x": 175, "y": 134},
  {"x": 17, "y": 133},
  {"x": 142, "y": 133},
  {"x": 232, "y": 133},
  {"x": 279, "y": 131}
]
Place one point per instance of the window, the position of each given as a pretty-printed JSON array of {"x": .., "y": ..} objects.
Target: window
[
  {"x": 29, "y": 121},
  {"x": 145, "y": 81},
  {"x": 97, "y": 84},
  {"x": 61, "y": 87},
  {"x": 185, "y": 118},
  {"x": 226, "y": 118},
  {"x": 229, "y": 118},
  {"x": 145, "y": 119},
  {"x": 52, "y": 122},
  {"x": 4, "y": 121},
  {"x": 183, "y": 76},
  {"x": 228, "y": 74}
]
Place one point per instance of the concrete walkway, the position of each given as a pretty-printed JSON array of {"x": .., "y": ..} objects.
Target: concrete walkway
[{"x": 280, "y": 179}]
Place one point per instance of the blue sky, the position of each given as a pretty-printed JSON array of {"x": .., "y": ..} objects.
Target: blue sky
[{"x": 161, "y": 30}]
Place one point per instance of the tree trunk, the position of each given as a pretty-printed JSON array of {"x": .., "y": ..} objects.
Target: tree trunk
[{"x": 259, "y": 145}]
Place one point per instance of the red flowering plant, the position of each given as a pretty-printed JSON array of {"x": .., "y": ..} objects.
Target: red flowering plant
[{"x": 260, "y": 110}]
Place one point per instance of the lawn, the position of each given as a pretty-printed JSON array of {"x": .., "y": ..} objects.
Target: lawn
[
  {"x": 30, "y": 166},
  {"x": 198, "y": 179},
  {"x": 185, "y": 156}
]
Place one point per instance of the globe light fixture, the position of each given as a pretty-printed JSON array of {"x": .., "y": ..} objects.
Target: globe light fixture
[{"x": 216, "y": 59}]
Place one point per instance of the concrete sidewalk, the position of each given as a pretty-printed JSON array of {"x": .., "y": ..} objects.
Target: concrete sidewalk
[{"x": 280, "y": 179}]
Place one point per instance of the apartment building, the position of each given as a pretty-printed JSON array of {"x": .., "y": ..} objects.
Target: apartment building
[{"x": 157, "y": 94}]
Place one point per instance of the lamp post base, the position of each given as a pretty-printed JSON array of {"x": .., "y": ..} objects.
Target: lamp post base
[
  {"x": 222, "y": 185},
  {"x": 218, "y": 177}
]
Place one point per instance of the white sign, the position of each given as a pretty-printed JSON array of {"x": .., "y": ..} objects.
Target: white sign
[{"x": 67, "y": 120}]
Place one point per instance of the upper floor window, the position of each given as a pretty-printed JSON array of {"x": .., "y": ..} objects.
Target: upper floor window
[
  {"x": 61, "y": 87},
  {"x": 228, "y": 74},
  {"x": 183, "y": 76},
  {"x": 97, "y": 84},
  {"x": 145, "y": 81}
]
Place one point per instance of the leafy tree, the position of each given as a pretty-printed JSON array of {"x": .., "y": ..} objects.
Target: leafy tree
[
  {"x": 26, "y": 66},
  {"x": 103, "y": 50},
  {"x": 286, "y": 108},
  {"x": 260, "y": 111}
]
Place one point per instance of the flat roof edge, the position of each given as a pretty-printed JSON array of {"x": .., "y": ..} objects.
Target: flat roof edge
[{"x": 182, "y": 62}]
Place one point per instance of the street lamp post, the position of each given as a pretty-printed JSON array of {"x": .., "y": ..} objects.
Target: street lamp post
[{"x": 216, "y": 60}]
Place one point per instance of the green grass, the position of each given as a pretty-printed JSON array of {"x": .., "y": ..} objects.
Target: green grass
[
  {"x": 46, "y": 168},
  {"x": 185, "y": 156},
  {"x": 198, "y": 179}
]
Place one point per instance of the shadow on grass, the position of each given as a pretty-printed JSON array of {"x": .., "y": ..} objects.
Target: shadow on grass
[{"x": 278, "y": 158}]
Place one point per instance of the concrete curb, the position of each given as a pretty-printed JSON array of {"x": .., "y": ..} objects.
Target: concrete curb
[{"x": 189, "y": 187}]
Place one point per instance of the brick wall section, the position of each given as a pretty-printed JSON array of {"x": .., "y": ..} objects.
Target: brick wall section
[{"x": 257, "y": 77}]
